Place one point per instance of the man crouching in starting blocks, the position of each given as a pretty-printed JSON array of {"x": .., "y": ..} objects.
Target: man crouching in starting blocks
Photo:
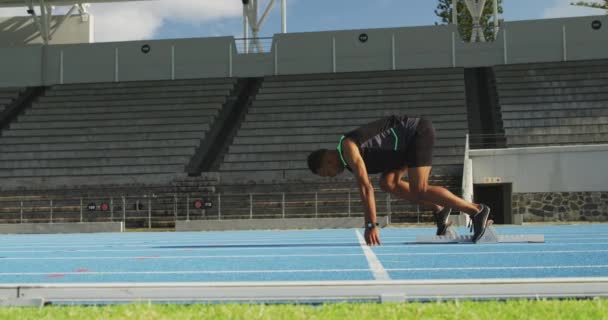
[{"x": 393, "y": 146}]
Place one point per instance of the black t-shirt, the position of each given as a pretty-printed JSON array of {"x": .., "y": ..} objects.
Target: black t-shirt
[{"x": 383, "y": 143}]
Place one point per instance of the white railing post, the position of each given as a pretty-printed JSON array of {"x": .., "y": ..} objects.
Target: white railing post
[
  {"x": 504, "y": 40},
  {"x": 219, "y": 206},
  {"x": 467, "y": 177},
  {"x": 112, "y": 209},
  {"x": 149, "y": 212},
  {"x": 173, "y": 62},
  {"x": 116, "y": 70},
  {"x": 349, "y": 203},
  {"x": 81, "y": 210},
  {"x": 124, "y": 210},
  {"x": 276, "y": 58},
  {"x": 283, "y": 205},
  {"x": 453, "y": 49},
  {"x": 187, "y": 207},
  {"x": 250, "y": 206},
  {"x": 393, "y": 49},
  {"x": 21, "y": 212},
  {"x": 51, "y": 210},
  {"x": 61, "y": 67},
  {"x": 565, "y": 43},
  {"x": 230, "y": 60},
  {"x": 333, "y": 53},
  {"x": 316, "y": 205}
]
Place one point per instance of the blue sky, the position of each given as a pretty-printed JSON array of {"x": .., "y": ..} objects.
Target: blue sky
[
  {"x": 166, "y": 19},
  {"x": 317, "y": 15}
]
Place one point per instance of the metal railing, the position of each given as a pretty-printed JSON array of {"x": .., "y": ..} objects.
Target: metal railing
[
  {"x": 154, "y": 211},
  {"x": 253, "y": 45}
]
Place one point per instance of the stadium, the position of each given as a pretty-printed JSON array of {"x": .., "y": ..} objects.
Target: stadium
[{"x": 175, "y": 170}]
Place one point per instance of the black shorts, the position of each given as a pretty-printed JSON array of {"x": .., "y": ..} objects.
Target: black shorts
[{"x": 420, "y": 151}]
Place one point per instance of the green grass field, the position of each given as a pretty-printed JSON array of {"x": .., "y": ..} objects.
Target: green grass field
[{"x": 511, "y": 309}]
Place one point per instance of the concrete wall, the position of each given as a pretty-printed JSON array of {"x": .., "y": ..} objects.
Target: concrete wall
[
  {"x": 545, "y": 169},
  {"x": 297, "y": 53},
  {"x": 50, "y": 228},
  {"x": 19, "y": 31}
]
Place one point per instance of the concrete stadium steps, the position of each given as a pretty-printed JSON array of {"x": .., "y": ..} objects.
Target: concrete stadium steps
[
  {"x": 133, "y": 160},
  {"x": 149, "y": 128},
  {"x": 98, "y": 154},
  {"x": 438, "y": 98},
  {"x": 348, "y": 117},
  {"x": 278, "y": 176},
  {"x": 448, "y": 130},
  {"x": 554, "y": 103},
  {"x": 119, "y": 131},
  {"x": 160, "y": 112},
  {"x": 442, "y": 140},
  {"x": 142, "y": 109},
  {"x": 342, "y": 93},
  {"x": 60, "y": 91},
  {"x": 548, "y": 113},
  {"x": 299, "y": 155},
  {"x": 216, "y": 94},
  {"x": 559, "y": 130},
  {"x": 111, "y": 124},
  {"x": 545, "y": 123},
  {"x": 7, "y": 96},
  {"x": 132, "y": 102},
  {"x": 371, "y": 84},
  {"x": 92, "y": 171},
  {"x": 109, "y": 141},
  {"x": 143, "y": 84},
  {"x": 302, "y": 165},
  {"x": 422, "y": 108}
]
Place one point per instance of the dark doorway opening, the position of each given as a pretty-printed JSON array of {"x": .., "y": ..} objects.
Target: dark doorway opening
[{"x": 498, "y": 197}]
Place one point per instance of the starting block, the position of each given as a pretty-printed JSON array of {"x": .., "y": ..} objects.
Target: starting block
[{"x": 490, "y": 236}]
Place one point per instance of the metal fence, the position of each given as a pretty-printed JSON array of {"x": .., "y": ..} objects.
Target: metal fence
[
  {"x": 161, "y": 211},
  {"x": 253, "y": 45}
]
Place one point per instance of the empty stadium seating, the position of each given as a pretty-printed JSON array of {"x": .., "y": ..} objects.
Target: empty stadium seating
[
  {"x": 112, "y": 133},
  {"x": 8, "y": 95},
  {"x": 294, "y": 115},
  {"x": 554, "y": 103}
]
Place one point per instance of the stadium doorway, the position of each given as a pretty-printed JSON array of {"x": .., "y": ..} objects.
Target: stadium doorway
[{"x": 498, "y": 197}]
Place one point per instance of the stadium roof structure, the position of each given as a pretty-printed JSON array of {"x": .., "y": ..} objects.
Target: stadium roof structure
[{"x": 43, "y": 20}]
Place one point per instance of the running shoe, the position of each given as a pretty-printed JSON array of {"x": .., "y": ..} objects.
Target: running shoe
[
  {"x": 479, "y": 222},
  {"x": 441, "y": 220}
]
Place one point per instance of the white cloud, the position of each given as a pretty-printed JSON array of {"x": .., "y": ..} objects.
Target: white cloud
[
  {"x": 563, "y": 8},
  {"x": 141, "y": 20}
]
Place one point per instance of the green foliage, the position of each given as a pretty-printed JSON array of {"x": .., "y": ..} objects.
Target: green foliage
[
  {"x": 465, "y": 21},
  {"x": 592, "y": 5}
]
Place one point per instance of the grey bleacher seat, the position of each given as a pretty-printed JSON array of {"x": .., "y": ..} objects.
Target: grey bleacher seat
[
  {"x": 554, "y": 103},
  {"x": 8, "y": 95},
  {"x": 296, "y": 114},
  {"x": 126, "y": 132}
]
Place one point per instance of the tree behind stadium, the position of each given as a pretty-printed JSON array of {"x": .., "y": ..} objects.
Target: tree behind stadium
[
  {"x": 465, "y": 21},
  {"x": 592, "y": 5}
]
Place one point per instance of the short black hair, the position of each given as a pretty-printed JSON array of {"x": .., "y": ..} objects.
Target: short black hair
[{"x": 314, "y": 160}]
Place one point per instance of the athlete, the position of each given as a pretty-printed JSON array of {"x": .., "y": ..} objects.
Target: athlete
[{"x": 394, "y": 146}]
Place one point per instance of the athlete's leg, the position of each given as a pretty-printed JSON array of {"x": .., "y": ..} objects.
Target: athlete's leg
[
  {"x": 421, "y": 190},
  {"x": 392, "y": 183}
]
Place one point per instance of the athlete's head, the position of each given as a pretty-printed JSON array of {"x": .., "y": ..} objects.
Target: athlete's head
[{"x": 325, "y": 163}]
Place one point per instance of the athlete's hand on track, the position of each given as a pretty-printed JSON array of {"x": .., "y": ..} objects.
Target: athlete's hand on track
[{"x": 372, "y": 237}]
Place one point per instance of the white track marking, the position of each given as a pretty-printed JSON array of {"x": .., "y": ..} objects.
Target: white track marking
[
  {"x": 182, "y": 272},
  {"x": 6, "y": 274},
  {"x": 499, "y": 268},
  {"x": 374, "y": 264},
  {"x": 274, "y": 256},
  {"x": 256, "y": 256}
]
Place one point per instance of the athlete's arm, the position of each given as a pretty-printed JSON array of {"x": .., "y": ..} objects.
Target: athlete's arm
[{"x": 353, "y": 158}]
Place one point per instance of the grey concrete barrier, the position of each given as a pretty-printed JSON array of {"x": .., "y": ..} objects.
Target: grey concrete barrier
[
  {"x": 272, "y": 224},
  {"x": 42, "y": 228}
]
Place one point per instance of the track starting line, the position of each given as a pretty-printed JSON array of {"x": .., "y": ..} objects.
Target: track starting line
[{"x": 490, "y": 236}]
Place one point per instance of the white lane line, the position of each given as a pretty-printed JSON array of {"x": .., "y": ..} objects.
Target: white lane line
[
  {"x": 499, "y": 268},
  {"x": 488, "y": 252},
  {"x": 182, "y": 272},
  {"x": 374, "y": 264},
  {"x": 3, "y": 274},
  {"x": 185, "y": 244},
  {"x": 273, "y": 256}
]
